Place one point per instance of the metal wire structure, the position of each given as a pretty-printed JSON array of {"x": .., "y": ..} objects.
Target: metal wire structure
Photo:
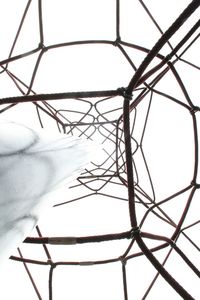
[{"x": 128, "y": 228}]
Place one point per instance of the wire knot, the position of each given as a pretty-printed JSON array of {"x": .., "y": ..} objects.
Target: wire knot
[
  {"x": 195, "y": 184},
  {"x": 117, "y": 41},
  {"x": 125, "y": 93},
  {"x": 134, "y": 231},
  {"x": 194, "y": 109},
  {"x": 173, "y": 244},
  {"x": 43, "y": 47},
  {"x": 123, "y": 260}
]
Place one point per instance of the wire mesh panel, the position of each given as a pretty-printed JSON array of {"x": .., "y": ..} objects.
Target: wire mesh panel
[{"x": 123, "y": 74}]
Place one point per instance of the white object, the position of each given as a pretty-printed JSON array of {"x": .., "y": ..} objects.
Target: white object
[{"x": 32, "y": 164}]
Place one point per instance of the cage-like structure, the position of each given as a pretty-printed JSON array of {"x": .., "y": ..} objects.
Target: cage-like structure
[{"x": 122, "y": 73}]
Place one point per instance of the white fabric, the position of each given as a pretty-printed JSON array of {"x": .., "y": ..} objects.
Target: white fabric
[{"x": 31, "y": 165}]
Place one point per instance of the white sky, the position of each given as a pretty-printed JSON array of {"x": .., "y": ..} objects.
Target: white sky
[{"x": 168, "y": 143}]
